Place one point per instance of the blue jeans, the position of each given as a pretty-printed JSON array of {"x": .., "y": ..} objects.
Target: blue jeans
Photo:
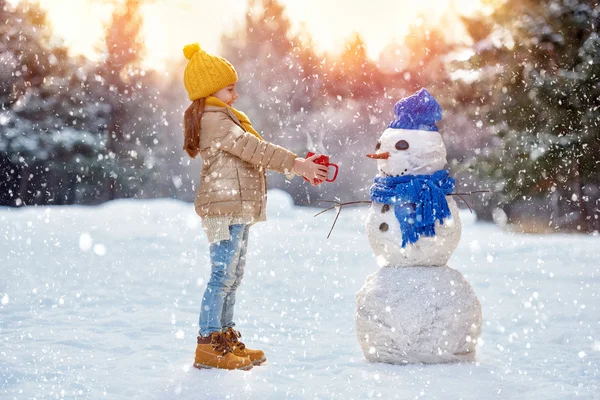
[{"x": 228, "y": 259}]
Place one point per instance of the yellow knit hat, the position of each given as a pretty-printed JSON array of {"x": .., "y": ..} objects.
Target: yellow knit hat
[{"x": 205, "y": 73}]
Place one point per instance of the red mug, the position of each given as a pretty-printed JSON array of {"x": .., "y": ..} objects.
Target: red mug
[{"x": 323, "y": 160}]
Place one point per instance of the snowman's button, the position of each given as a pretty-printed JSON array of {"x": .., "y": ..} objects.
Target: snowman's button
[
  {"x": 383, "y": 227},
  {"x": 385, "y": 208}
]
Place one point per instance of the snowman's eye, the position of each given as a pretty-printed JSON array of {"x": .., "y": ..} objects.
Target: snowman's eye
[
  {"x": 402, "y": 145},
  {"x": 378, "y": 145}
]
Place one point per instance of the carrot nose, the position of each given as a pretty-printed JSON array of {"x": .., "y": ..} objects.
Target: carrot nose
[{"x": 380, "y": 156}]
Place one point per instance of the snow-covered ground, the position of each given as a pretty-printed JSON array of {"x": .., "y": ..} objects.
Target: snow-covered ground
[{"x": 102, "y": 302}]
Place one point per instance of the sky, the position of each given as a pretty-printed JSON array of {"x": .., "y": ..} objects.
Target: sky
[{"x": 170, "y": 24}]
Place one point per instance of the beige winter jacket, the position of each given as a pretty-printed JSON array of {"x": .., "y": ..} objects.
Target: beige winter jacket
[{"x": 233, "y": 181}]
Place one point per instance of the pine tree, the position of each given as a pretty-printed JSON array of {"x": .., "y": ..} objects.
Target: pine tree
[
  {"x": 541, "y": 97},
  {"x": 44, "y": 120},
  {"x": 120, "y": 71},
  {"x": 427, "y": 47}
]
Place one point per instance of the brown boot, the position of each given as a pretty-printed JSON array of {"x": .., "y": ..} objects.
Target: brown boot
[
  {"x": 215, "y": 352},
  {"x": 239, "y": 349}
]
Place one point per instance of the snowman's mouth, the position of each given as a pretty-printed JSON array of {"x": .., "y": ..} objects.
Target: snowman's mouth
[{"x": 390, "y": 175}]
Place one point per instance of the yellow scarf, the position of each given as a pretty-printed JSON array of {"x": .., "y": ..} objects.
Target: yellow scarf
[{"x": 213, "y": 101}]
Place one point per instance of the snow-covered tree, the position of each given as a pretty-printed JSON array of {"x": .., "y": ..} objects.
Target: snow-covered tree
[
  {"x": 48, "y": 124},
  {"x": 539, "y": 67},
  {"x": 119, "y": 73}
]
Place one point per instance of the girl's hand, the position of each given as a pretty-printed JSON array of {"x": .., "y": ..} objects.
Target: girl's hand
[{"x": 309, "y": 169}]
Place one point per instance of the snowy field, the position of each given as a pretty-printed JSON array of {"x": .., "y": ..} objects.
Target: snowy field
[{"x": 102, "y": 302}]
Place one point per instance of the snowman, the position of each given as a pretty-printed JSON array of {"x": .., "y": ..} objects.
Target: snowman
[{"x": 415, "y": 309}]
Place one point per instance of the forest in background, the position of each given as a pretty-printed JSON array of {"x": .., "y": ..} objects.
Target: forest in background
[{"x": 521, "y": 101}]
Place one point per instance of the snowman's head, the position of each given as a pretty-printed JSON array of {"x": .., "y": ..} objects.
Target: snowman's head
[
  {"x": 412, "y": 144},
  {"x": 409, "y": 152}
]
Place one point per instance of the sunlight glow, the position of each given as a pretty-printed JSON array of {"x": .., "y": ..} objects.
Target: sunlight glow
[
  {"x": 168, "y": 25},
  {"x": 378, "y": 23}
]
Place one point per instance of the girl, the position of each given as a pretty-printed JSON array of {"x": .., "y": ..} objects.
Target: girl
[{"x": 230, "y": 198}]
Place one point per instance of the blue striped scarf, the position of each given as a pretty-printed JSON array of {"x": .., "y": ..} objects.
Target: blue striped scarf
[{"x": 419, "y": 201}]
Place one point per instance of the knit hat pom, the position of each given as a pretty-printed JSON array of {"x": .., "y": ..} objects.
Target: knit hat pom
[{"x": 190, "y": 50}]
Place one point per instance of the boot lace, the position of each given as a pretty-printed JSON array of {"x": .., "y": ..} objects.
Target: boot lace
[
  {"x": 221, "y": 344},
  {"x": 234, "y": 339}
]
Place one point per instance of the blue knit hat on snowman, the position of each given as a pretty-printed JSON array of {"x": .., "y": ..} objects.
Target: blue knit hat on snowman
[
  {"x": 420, "y": 111},
  {"x": 419, "y": 200}
]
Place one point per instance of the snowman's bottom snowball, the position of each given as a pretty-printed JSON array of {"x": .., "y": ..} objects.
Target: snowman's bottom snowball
[{"x": 417, "y": 315}]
